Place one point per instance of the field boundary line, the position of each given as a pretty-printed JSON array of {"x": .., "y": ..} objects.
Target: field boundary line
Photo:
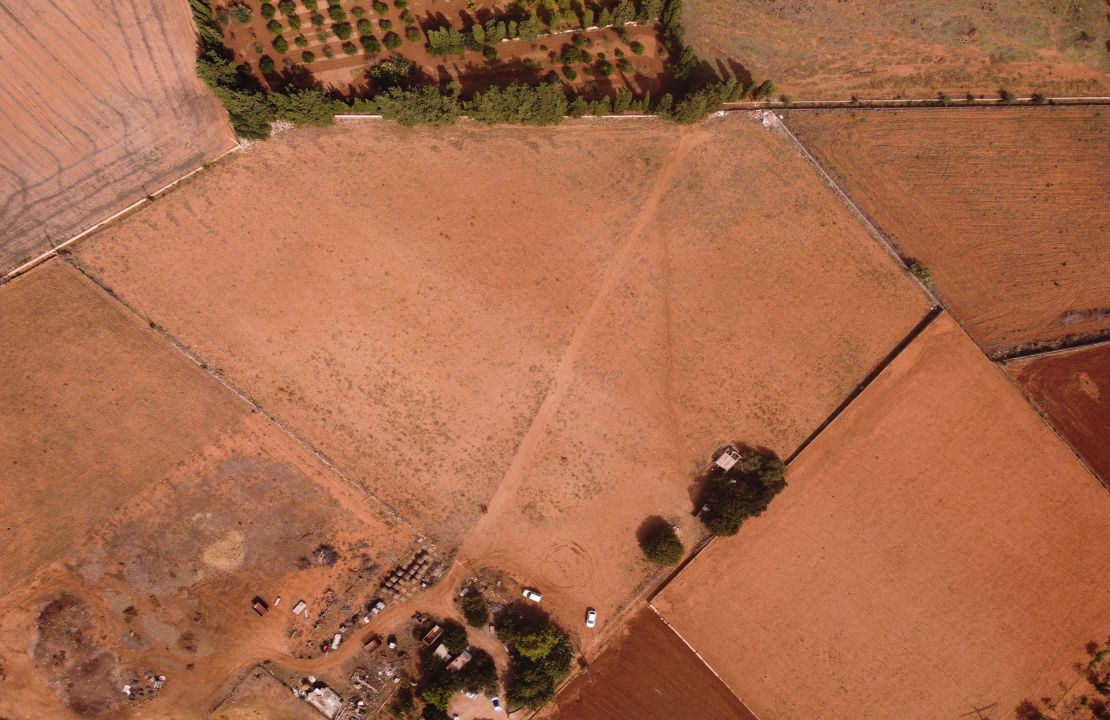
[
  {"x": 933, "y": 103},
  {"x": 43, "y": 257},
  {"x": 243, "y": 395},
  {"x": 1094, "y": 339}
]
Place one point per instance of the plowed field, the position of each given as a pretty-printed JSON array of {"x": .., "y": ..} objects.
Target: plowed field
[
  {"x": 937, "y": 551},
  {"x": 818, "y": 49},
  {"x": 99, "y": 107},
  {"x": 1008, "y": 208},
  {"x": 1072, "y": 388}
]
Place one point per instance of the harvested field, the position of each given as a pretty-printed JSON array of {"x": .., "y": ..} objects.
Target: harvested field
[
  {"x": 648, "y": 673},
  {"x": 155, "y": 506},
  {"x": 688, "y": 347},
  {"x": 915, "y": 48},
  {"x": 937, "y": 550},
  {"x": 101, "y": 107},
  {"x": 1072, "y": 388},
  {"x": 409, "y": 332},
  {"x": 1008, "y": 208}
]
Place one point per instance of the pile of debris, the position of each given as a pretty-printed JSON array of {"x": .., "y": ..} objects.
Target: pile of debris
[{"x": 144, "y": 689}]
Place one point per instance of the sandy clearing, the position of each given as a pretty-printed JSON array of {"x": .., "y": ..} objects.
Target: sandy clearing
[
  {"x": 691, "y": 348},
  {"x": 99, "y": 107},
  {"x": 1009, "y": 208},
  {"x": 937, "y": 550},
  {"x": 916, "y": 48},
  {"x": 1073, "y": 389},
  {"x": 408, "y": 331}
]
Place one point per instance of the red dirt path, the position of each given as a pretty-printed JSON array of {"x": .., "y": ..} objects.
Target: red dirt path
[
  {"x": 937, "y": 550},
  {"x": 99, "y": 107},
  {"x": 1073, "y": 389}
]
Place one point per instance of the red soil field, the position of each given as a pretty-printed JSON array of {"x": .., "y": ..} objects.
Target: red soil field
[
  {"x": 347, "y": 74},
  {"x": 407, "y": 331},
  {"x": 937, "y": 550},
  {"x": 1009, "y": 208},
  {"x": 99, "y": 107},
  {"x": 150, "y": 506},
  {"x": 816, "y": 49},
  {"x": 648, "y": 673},
  {"x": 1072, "y": 389},
  {"x": 699, "y": 338}
]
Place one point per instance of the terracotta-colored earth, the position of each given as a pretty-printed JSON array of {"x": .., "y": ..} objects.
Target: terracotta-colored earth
[
  {"x": 409, "y": 332},
  {"x": 816, "y": 49},
  {"x": 347, "y": 74},
  {"x": 686, "y": 347},
  {"x": 1072, "y": 389},
  {"x": 99, "y": 107},
  {"x": 260, "y": 696},
  {"x": 937, "y": 551},
  {"x": 150, "y": 506},
  {"x": 648, "y": 673},
  {"x": 1008, "y": 208}
]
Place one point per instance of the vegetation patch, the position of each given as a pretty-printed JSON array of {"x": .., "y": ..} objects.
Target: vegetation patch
[
  {"x": 744, "y": 491},
  {"x": 540, "y": 655}
]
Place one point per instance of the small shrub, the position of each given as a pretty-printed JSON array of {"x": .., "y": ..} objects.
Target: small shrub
[
  {"x": 625, "y": 66},
  {"x": 223, "y": 17},
  {"x": 294, "y": 22},
  {"x": 1037, "y": 98},
  {"x": 400, "y": 4},
  {"x": 392, "y": 40},
  {"x": 337, "y": 14},
  {"x": 407, "y": 18},
  {"x": 312, "y": 5},
  {"x": 317, "y": 19},
  {"x": 268, "y": 10},
  {"x": 287, "y": 7},
  {"x": 240, "y": 13},
  {"x": 605, "y": 67},
  {"x": 1006, "y": 96},
  {"x": 328, "y": 52},
  {"x": 322, "y": 36},
  {"x": 349, "y": 48},
  {"x": 274, "y": 27},
  {"x": 266, "y": 65},
  {"x": 308, "y": 57},
  {"x": 662, "y": 546},
  {"x": 489, "y": 52},
  {"x": 380, "y": 7},
  {"x": 570, "y": 73},
  {"x": 413, "y": 34},
  {"x": 475, "y": 609},
  {"x": 385, "y": 24},
  {"x": 370, "y": 44},
  {"x": 358, "y": 12},
  {"x": 365, "y": 27},
  {"x": 280, "y": 44},
  {"x": 342, "y": 30},
  {"x": 300, "y": 41},
  {"x": 636, "y": 47},
  {"x": 922, "y": 273}
]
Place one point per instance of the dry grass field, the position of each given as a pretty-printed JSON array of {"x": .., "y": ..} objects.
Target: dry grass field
[
  {"x": 914, "y": 48},
  {"x": 691, "y": 347},
  {"x": 151, "y": 506},
  {"x": 99, "y": 107},
  {"x": 408, "y": 331},
  {"x": 1008, "y": 208},
  {"x": 1072, "y": 388},
  {"x": 937, "y": 550},
  {"x": 648, "y": 673}
]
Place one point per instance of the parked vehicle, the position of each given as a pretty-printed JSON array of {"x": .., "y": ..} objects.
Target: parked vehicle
[
  {"x": 591, "y": 617},
  {"x": 496, "y": 702},
  {"x": 532, "y": 595}
]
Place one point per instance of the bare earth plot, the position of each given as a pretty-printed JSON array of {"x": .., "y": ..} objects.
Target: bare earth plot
[
  {"x": 648, "y": 674},
  {"x": 1009, "y": 209},
  {"x": 937, "y": 550},
  {"x": 816, "y": 49},
  {"x": 99, "y": 107},
  {"x": 408, "y": 330},
  {"x": 747, "y": 307},
  {"x": 1072, "y": 388},
  {"x": 149, "y": 507}
]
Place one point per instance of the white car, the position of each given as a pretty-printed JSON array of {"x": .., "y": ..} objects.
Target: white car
[
  {"x": 591, "y": 617},
  {"x": 532, "y": 595},
  {"x": 496, "y": 704}
]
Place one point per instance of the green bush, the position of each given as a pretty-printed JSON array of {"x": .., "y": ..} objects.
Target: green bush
[
  {"x": 300, "y": 41},
  {"x": 489, "y": 52},
  {"x": 307, "y": 107},
  {"x": 223, "y": 17},
  {"x": 274, "y": 27},
  {"x": 294, "y": 22},
  {"x": 419, "y": 106},
  {"x": 413, "y": 34},
  {"x": 408, "y": 19},
  {"x": 328, "y": 52},
  {"x": 349, "y": 48},
  {"x": 662, "y": 546},
  {"x": 287, "y": 7},
  {"x": 539, "y": 657},
  {"x": 342, "y": 30},
  {"x": 569, "y": 73},
  {"x": 392, "y": 40},
  {"x": 744, "y": 492},
  {"x": 358, "y": 12},
  {"x": 250, "y": 112},
  {"x": 922, "y": 273},
  {"x": 312, "y": 5},
  {"x": 380, "y": 7},
  {"x": 240, "y": 13},
  {"x": 764, "y": 90},
  {"x": 317, "y": 19},
  {"x": 605, "y": 67},
  {"x": 385, "y": 24},
  {"x": 438, "y": 684},
  {"x": 322, "y": 36},
  {"x": 280, "y": 44},
  {"x": 400, "y": 4},
  {"x": 474, "y": 609},
  {"x": 365, "y": 27},
  {"x": 308, "y": 57},
  {"x": 636, "y": 47},
  {"x": 625, "y": 66},
  {"x": 337, "y": 14},
  {"x": 266, "y": 65},
  {"x": 527, "y": 105},
  {"x": 268, "y": 10},
  {"x": 370, "y": 44}
]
